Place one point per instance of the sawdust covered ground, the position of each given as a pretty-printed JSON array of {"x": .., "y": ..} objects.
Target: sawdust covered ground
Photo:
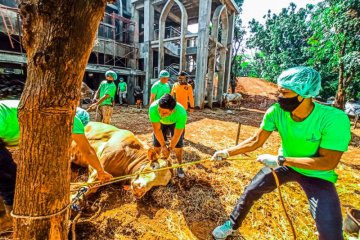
[{"x": 191, "y": 208}]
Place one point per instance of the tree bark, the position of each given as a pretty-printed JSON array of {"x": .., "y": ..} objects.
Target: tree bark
[
  {"x": 58, "y": 37},
  {"x": 340, "y": 97}
]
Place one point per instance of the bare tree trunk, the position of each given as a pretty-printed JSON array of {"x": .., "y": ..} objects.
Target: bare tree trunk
[
  {"x": 340, "y": 97},
  {"x": 58, "y": 37}
]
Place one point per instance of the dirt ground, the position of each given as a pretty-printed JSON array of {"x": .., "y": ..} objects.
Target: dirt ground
[{"x": 193, "y": 207}]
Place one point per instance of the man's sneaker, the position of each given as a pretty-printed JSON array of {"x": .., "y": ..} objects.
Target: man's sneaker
[
  {"x": 223, "y": 231},
  {"x": 180, "y": 173}
]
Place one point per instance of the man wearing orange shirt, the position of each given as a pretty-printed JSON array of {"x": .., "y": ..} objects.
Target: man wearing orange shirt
[{"x": 183, "y": 92}]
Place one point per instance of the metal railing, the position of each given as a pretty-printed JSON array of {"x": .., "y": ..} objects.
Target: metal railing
[
  {"x": 169, "y": 32},
  {"x": 173, "y": 69}
]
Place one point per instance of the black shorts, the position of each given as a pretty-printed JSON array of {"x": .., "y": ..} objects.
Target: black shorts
[{"x": 171, "y": 129}]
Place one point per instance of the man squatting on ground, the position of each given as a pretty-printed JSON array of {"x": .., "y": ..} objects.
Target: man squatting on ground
[
  {"x": 314, "y": 138},
  {"x": 167, "y": 115},
  {"x": 10, "y": 135}
]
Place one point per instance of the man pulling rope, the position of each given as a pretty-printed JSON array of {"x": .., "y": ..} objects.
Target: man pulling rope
[{"x": 314, "y": 138}]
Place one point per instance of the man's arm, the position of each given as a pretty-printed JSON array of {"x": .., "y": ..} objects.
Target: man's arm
[
  {"x": 152, "y": 98},
  {"x": 158, "y": 133},
  {"x": 96, "y": 95},
  {"x": 172, "y": 93},
  {"x": 250, "y": 144},
  {"x": 327, "y": 160},
  {"x": 176, "y": 137},
  {"x": 94, "y": 105},
  {"x": 191, "y": 97},
  {"x": 90, "y": 155}
]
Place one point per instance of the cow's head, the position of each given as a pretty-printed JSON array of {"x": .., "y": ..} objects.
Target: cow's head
[{"x": 143, "y": 182}]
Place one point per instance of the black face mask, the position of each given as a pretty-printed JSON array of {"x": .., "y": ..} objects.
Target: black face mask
[
  {"x": 289, "y": 104},
  {"x": 109, "y": 81}
]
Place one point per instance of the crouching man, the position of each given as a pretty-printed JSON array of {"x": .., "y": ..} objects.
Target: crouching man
[
  {"x": 10, "y": 135},
  {"x": 167, "y": 115}
]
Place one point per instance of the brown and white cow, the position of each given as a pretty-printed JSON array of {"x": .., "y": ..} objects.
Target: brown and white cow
[{"x": 122, "y": 153}]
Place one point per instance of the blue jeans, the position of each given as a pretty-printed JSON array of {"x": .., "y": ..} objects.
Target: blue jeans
[
  {"x": 322, "y": 196},
  {"x": 7, "y": 175}
]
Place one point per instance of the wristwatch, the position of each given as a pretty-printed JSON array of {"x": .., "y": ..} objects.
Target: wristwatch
[{"x": 281, "y": 160}]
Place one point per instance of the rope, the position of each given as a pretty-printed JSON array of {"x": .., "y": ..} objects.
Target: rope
[
  {"x": 40, "y": 217},
  {"x": 282, "y": 203},
  {"x": 81, "y": 191},
  {"x": 125, "y": 177}
]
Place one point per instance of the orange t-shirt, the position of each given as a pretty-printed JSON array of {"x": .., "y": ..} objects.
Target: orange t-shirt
[{"x": 183, "y": 94}]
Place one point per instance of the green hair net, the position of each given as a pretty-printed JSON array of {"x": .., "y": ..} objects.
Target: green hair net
[
  {"x": 164, "y": 74},
  {"x": 111, "y": 73},
  {"x": 305, "y": 81},
  {"x": 83, "y": 115}
]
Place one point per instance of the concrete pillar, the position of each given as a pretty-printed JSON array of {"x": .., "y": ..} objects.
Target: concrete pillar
[
  {"x": 223, "y": 51},
  {"x": 229, "y": 52},
  {"x": 133, "y": 61},
  {"x": 211, "y": 73},
  {"x": 162, "y": 21},
  {"x": 184, "y": 25},
  {"x": 121, "y": 24},
  {"x": 148, "y": 52},
  {"x": 202, "y": 51},
  {"x": 221, "y": 75},
  {"x": 220, "y": 11}
]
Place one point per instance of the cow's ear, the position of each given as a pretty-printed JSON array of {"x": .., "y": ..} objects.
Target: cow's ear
[{"x": 152, "y": 155}]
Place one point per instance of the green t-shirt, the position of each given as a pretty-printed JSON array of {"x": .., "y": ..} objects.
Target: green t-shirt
[
  {"x": 325, "y": 127},
  {"x": 107, "y": 88},
  {"x": 78, "y": 126},
  {"x": 160, "y": 89},
  {"x": 122, "y": 86},
  {"x": 9, "y": 124},
  {"x": 178, "y": 117}
]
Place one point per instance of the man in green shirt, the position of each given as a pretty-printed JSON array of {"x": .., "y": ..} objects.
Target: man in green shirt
[
  {"x": 122, "y": 91},
  {"x": 104, "y": 98},
  {"x": 167, "y": 115},
  {"x": 314, "y": 138},
  {"x": 161, "y": 87},
  {"x": 10, "y": 135}
]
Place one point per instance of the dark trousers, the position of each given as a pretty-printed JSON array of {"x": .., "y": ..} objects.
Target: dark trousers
[
  {"x": 322, "y": 196},
  {"x": 7, "y": 175}
]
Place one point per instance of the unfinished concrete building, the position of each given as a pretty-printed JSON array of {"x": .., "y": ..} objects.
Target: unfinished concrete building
[{"x": 138, "y": 38}]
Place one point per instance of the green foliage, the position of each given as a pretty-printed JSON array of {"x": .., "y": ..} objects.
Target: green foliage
[
  {"x": 325, "y": 36},
  {"x": 280, "y": 43},
  {"x": 335, "y": 45},
  {"x": 239, "y": 33}
]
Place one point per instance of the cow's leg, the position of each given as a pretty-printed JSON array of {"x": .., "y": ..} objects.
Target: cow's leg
[{"x": 92, "y": 178}]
